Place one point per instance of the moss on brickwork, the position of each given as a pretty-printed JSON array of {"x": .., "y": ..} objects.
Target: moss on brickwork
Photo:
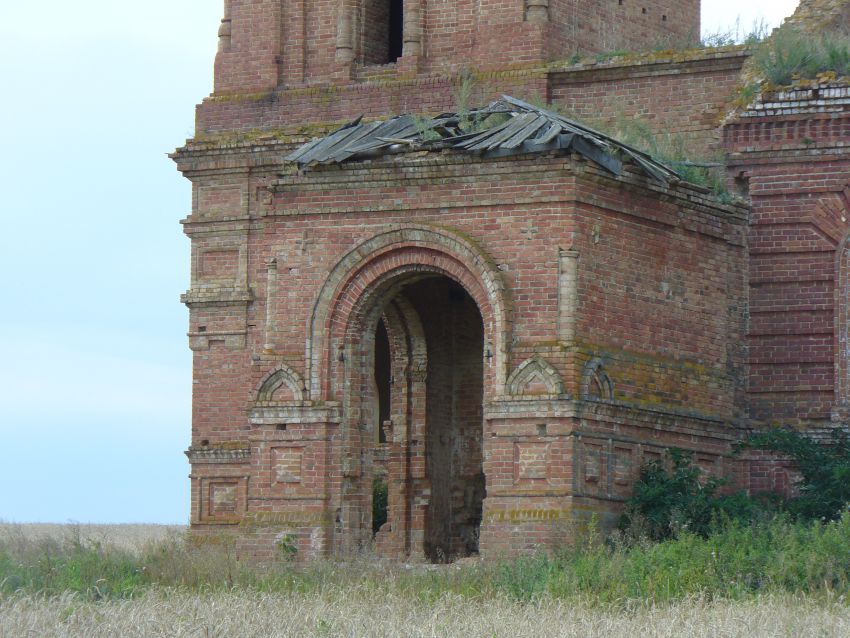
[
  {"x": 819, "y": 15},
  {"x": 641, "y": 58},
  {"x": 227, "y": 445}
]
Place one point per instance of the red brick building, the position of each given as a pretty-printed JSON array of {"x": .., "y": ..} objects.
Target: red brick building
[{"x": 503, "y": 333}]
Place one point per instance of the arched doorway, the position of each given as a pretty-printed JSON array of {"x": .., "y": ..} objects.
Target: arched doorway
[
  {"x": 421, "y": 404},
  {"x": 438, "y": 297}
]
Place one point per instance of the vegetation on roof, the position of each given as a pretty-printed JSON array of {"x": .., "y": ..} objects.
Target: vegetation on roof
[
  {"x": 506, "y": 127},
  {"x": 792, "y": 54},
  {"x": 670, "y": 149}
]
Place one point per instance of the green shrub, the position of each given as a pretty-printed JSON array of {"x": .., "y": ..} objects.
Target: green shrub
[
  {"x": 51, "y": 566},
  {"x": 737, "y": 560},
  {"x": 667, "y": 502},
  {"x": 824, "y": 488}
]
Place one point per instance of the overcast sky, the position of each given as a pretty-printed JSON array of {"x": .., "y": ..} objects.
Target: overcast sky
[{"x": 95, "y": 372}]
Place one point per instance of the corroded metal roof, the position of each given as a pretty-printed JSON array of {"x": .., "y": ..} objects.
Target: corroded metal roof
[{"x": 507, "y": 127}]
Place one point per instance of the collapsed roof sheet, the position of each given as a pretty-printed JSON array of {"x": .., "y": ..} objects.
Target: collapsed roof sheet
[{"x": 507, "y": 127}]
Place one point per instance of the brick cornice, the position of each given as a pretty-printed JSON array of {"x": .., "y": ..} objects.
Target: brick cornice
[
  {"x": 651, "y": 64},
  {"x": 218, "y": 295},
  {"x": 216, "y": 455}
]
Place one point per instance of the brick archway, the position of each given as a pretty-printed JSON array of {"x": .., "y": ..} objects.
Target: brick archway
[
  {"x": 406, "y": 268},
  {"x": 369, "y": 270},
  {"x": 441, "y": 435}
]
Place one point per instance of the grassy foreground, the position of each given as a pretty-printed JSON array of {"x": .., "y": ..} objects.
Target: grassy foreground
[
  {"x": 359, "y": 613},
  {"x": 775, "y": 579}
]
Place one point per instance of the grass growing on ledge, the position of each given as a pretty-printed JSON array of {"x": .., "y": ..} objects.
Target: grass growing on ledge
[
  {"x": 671, "y": 149},
  {"x": 791, "y": 54}
]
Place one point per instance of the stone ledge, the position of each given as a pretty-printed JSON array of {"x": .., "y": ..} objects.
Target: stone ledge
[
  {"x": 200, "y": 296},
  {"x": 803, "y": 99},
  {"x": 218, "y": 455},
  {"x": 639, "y": 62},
  {"x": 305, "y": 412}
]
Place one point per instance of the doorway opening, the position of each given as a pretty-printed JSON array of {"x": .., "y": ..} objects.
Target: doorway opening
[
  {"x": 454, "y": 335},
  {"x": 422, "y": 431},
  {"x": 383, "y": 379}
]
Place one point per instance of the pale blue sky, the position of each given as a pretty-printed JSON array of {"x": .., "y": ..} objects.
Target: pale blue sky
[{"x": 95, "y": 372}]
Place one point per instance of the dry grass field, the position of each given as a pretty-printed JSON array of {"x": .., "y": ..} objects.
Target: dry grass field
[
  {"x": 366, "y": 599},
  {"x": 359, "y": 613},
  {"x": 131, "y": 538}
]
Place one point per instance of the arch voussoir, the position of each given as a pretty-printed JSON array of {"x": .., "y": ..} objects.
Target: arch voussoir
[{"x": 362, "y": 275}]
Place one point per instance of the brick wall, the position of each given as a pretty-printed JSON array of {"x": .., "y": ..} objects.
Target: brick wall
[
  {"x": 688, "y": 98},
  {"x": 788, "y": 152},
  {"x": 658, "y": 311},
  {"x": 625, "y": 25},
  {"x": 685, "y": 96},
  {"x": 375, "y": 36},
  {"x": 266, "y": 44}
]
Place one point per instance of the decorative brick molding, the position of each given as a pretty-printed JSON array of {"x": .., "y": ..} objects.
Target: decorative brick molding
[
  {"x": 366, "y": 271},
  {"x": 535, "y": 377},
  {"x": 306, "y": 414},
  {"x": 282, "y": 377},
  {"x": 218, "y": 455},
  {"x": 836, "y": 211},
  {"x": 595, "y": 382},
  {"x": 808, "y": 100},
  {"x": 841, "y": 409}
]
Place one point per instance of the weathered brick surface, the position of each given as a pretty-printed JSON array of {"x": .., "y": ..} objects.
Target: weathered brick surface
[
  {"x": 543, "y": 328},
  {"x": 789, "y": 150},
  {"x": 684, "y": 96},
  {"x": 265, "y": 43},
  {"x": 658, "y": 306},
  {"x": 677, "y": 94}
]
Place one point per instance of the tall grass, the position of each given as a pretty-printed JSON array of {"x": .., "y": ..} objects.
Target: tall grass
[
  {"x": 673, "y": 150},
  {"x": 792, "y": 54},
  {"x": 736, "y": 562}
]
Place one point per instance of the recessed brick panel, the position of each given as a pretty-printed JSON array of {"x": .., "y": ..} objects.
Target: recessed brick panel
[
  {"x": 223, "y": 498},
  {"x": 222, "y": 200},
  {"x": 220, "y": 264},
  {"x": 624, "y": 469},
  {"x": 594, "y": 466},
  {"x": 287, "y": 465},
  {"x": 531, "y": 461}
]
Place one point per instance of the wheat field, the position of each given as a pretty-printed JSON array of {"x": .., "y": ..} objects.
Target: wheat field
[
  {"x": 128, "y": 537},
  {"x": 361, "y": 608},
  {"x": 355, "y": 614}
]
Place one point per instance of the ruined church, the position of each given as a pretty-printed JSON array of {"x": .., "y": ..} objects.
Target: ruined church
[{"x": 432, "y": 316}]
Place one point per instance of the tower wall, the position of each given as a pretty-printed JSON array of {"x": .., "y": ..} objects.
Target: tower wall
[{"x": 270, "y": 44}]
